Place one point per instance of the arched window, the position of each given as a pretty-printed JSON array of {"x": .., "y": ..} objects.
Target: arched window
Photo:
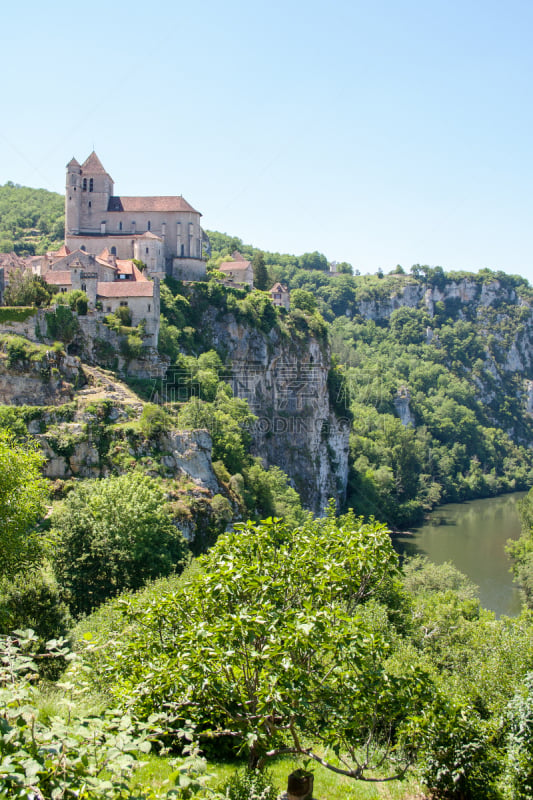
[
  {"x": 83, "y": 248},
  {"x": 113, "y": 251},
  {"x": 85, "y": 184},
  {"x": 91, "y": 183},
  {"x": 84, "y": 287},
  {"x": 149, "y": 225},
  {"x": 120, "y": 226},
  {"x": 90, "y": 204}
]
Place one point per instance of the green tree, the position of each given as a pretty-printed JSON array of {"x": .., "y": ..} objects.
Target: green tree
[
  {"x": 113, "y": 534},
  {"x": 22, "y": 503},
  {"x": 26, "y": 289},
  {"x": 260, "y": 271},
  {"x": 265, "y": 641},
  {"x": 304, "y": 300}
]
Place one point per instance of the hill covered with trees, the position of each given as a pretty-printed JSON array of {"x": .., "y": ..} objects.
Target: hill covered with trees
[{"x": 31, "y": 220}]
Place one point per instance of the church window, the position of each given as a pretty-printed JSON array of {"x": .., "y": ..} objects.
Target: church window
[
  {"x": 149, "y": 307},
  {"x": 113, "y": 251},
  {"x": 90, "y": 204},
  {"x": 146, "y": 251},
  {"x": 91, "y": 184},
  {"x": 120, "y": 226},
  {"x": 85, "y": 184},
  {"x": 84, "y": 287},
  {"x": 182, "y": 251},
  {"x": 83, "y": 248},
  {"x": 149, "y": 225}
]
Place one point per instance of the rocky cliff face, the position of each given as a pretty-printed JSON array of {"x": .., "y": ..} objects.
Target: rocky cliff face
[
  {"x": 414, "y": 295},
  {"x": 285, "y": 382}
]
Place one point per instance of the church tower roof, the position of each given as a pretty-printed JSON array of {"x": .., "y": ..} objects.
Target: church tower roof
[
  {"x": 93, "y": 165},
  {"x": 73, "y": 163}
]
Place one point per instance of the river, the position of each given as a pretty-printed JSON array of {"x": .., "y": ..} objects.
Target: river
[{"x": 472, "y": 536}]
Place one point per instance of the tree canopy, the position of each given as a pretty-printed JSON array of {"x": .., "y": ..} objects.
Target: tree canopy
[{"x": 23, "y": 494}]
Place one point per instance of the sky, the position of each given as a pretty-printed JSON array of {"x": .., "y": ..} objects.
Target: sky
[{"x": 379, "y": 133}]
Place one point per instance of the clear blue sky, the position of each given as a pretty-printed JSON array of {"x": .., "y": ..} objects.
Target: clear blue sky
[{"x": 378, "y": 132}]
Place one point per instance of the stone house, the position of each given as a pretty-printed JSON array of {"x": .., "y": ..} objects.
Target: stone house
[
  {"x": 280, "y": 295},
  {"x": 238, "y": 272},
  {"x": 163, "y": 232}
]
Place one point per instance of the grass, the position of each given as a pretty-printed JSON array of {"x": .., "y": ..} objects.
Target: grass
[{"x": 327, "y": 786}]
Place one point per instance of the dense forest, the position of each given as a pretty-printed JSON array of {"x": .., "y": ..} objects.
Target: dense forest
[
  {"x": 31, "y": 220},
  {"x": 162, "y": 639}
]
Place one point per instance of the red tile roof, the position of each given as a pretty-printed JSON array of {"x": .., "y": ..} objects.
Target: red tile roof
[
  {"x": 63, "y": 251},
  {"x": 58, "y": 278},
  {"x": 141, "y": 204},
  {"x": 125, "y": 289},
  {"x": 94, "y": 165}
]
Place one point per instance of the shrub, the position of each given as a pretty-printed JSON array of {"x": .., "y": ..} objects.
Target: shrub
[
  {"x": 154, "y": 420},
  {"x": 61, "y": 324},
  {"x": 249, "y": 785},
  {"x": 111, "y": 535}
]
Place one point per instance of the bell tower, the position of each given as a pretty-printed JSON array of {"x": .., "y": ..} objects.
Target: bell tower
[
  {"x": 73, "y": 197},
  {"x": 96, "y": 189}
]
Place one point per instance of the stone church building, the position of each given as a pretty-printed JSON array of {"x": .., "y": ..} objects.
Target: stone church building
[{"x": 163, "y": 232}]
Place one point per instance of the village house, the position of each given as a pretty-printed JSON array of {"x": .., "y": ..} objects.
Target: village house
[
  {"x": 162, "y": 232},
  {"x": 238, "y": 272},
  {"x": 280, "y": 295}
]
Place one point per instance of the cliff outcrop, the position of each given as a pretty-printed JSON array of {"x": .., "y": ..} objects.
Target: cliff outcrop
[{"x": 285, "y": 381}]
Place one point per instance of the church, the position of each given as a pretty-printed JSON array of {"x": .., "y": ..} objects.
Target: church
[{"x": 162, "y": 232}]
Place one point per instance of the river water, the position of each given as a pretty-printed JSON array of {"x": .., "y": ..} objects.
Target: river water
[{"x": 472, "y": 537}]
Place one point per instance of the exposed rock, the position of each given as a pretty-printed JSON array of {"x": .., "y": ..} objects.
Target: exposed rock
[
  {"x": 189, "y": 452},
  {"x": 286, "y": 385}
]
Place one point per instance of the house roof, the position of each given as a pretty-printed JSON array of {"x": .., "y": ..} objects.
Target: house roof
[
  {"x": 235, "y": 266},
  {"x": 94, "y": 165},
  {"x": 125, "y": 289},
  {"x": 279, "y": 287},
  {"x": 139, "y": 204},
  {"x": 58, "y": 278},
  {"x": 63, "y": 251}
]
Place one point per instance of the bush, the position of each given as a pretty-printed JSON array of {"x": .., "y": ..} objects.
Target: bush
[
  {"x": 111, "y": 535},
  {"x": 518, "y": 777},
  {"x": 61, "y": 324},
  {"x": 154, "y": 420},
  {"x": 248, "y": 785}
]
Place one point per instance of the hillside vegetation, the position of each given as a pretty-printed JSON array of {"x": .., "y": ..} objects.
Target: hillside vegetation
[{"x": 31, "y": 220}]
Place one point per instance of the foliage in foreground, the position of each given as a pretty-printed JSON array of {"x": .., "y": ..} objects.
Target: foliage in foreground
[
  {"x": 22, "y": 497},
  {"x": 265, "y": 645}
]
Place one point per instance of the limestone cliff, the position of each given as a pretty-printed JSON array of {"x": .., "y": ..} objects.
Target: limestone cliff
[{"x": 285, "y": 381}]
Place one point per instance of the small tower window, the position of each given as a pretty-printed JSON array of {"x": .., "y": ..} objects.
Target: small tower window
[
  {"x": 85, "y": 184},
  {"x": 149, "y": 307},
  {"x": 90, "y": 204},
  {"x": 146, "y": 251},
  {"x": 91, "y": 184},
  {"x": 149, "y": 225},
  {"x": 120, "y": 226}
]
